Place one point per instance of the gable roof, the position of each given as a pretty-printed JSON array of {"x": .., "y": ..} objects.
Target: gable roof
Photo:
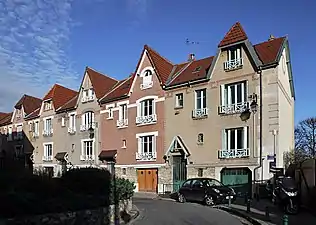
[
  {"x": 71, "y": 104},
  {"x": 6, "y": 119},
  {"x": 29, "y": 103},
  {"x": 235, "y": 34},
  {"x": 34, "y": 114},
  {"x": 100, "y": 82},
  {"x": 2, "y": 115},
  {"x": 59, "y": 95}
]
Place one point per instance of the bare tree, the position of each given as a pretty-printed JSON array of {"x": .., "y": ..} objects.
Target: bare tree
[{"x": 305, "y": 136}]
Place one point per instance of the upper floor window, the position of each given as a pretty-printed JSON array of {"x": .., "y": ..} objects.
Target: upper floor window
[
  {"x": 19, "y": 132},
  {"x": 87, "y": 121},
  {"x": 146, "y": 112},
  {"x": 200, "y": 104},
  {"x": 235, "y": 143},
  {"x": 72, "y": 123},
  {"x": 48, "y": 105},
  {"x": 179, "y": 100},
  {"x": 146, "y": 147},
  {"x": 48, "y": 152},
  {"x": 10, "y": 133},
  {"x": 123, "y": 119},
  {"x": 200, "y": 138},
  {"x": 18, "y": 113},
  {"x": 48, "y": 127},
  {"x": 88, "y": 95},
  {"x": 36, "y": 128},
  {"x": 234, "y": 59},
  {"x": 147, "y": 76},
  {"x": 87, "y": 150},
  {"x": 234, "y": 98}
]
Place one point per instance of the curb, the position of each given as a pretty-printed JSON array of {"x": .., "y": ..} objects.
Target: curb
[
  {"x": 240, "y": 214},
  {"x": 133, "y": 217},
  {"x": 165, "y": 199}
]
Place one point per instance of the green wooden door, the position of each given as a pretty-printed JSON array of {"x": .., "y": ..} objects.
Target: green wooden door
[
  {"x": 179, "y": 172},
  {"x": 237, "y": 178}
]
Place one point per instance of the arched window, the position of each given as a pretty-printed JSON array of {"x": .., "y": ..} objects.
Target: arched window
[
  {"x": 88, "y": 119},
  {"x": 147, "y": 75}
]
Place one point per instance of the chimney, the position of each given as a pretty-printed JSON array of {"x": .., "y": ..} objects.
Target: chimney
[
  {"x": 271, "y": 37},
  {"x": 191, "y": 57}
]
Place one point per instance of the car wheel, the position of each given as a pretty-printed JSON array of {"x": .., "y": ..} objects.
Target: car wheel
[
  {"x": 181, "y": 198},
  {"x": 208, "y": 200}
]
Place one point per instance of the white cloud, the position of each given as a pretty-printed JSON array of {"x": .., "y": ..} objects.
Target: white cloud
[{"x": 34, "y": 36}]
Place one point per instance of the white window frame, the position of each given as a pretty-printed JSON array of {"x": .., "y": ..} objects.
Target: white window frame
[
  {"x": 140, "y": 142},
  {"x": 48, "y": 130},
  {"x": 179, "y": 98},
  {"x": 19, "y": 132},
  {"x": 46, "y": 156},
  {"x": 109, "y": 109},
  {"x": 86, "y": 119},
  {"x": 203, "y": 95},
  {"x": 142, "y": 111},
  {"x": 47, "y": 105},
  {"x": 85, "y": 156},
  {"x": 10, "y": 131},
  {"x": 124, "y": 143},
  {"x": 226, "y": 89},
  {"x": 147, "y": 79},
  {"x": 233, "y": 131},
  {"x": 234, "y": 53},
  {"x": 72, "y": 121},
  {"x": 36, "y": 128},
  {"x": 63, "y": 123}
]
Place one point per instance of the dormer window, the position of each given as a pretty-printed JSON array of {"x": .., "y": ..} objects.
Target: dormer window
[
  {"x": 234, "y": 59},
  {"x": 18, "y": 113},
  {"x": 147, "y": 78},
  {"x": 88, "y": 95},
  {"x": 47, "y": 105}
]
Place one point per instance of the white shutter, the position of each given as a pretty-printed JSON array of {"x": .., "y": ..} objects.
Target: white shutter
[
  {"x": 62, "y": 121},
  {"x": 154, "y": 144},
  {"x": 238, "y": 55},
  {"x": 92, "y": 117},
  {"x": 224, "y": 140},
  {"x": 245, "y": 134},
  {"x": 121, "y": 108},
  {"x": 83, "y": 119},
  {"x": 222, "y": 94},
  {"x": 140, "y": 150}
]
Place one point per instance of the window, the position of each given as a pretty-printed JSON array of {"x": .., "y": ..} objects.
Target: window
[
  {"x": 47, "y": 105},
  {"x": 63, "y": 122},
  {"x": 187, "y": 184},
  {"x": 200, "y": 172},
  {"x": 88, "y": 118},
  {"x": 110, "y": 113},
  {"x": 147, "y": 107},
  {"x": 200, "y": 99},
  {"x": 87, "y": 150},
  {"x": 123, "y": 112},
  {"x": 212, "y": 182},
  {"x": 48, "y": 126},
  {"x": 124, "y": 144},
  {"x": 197, "y": 69},
  {"x": 48, "y": 152},
  {"x": 18, "y": 113},
  {"x": 200, "y": 138},
  {"x": 72, "y": 121},
  {"x": 146, "y": 146},
  {"x": 36, "y": 128},
  {"x": 179, "y": 100},
  {"x": 234, "y": 59},
  {"x": 88, "y": 95},
  {"x": 234, "y": 53},
  {"x": 10, "y": 133},
  {"x": 236, "y": 138},
  {"x": 197, "y": 183},
  {"x": 147, "y": 79},
  {"x": 19, "y": 132}
]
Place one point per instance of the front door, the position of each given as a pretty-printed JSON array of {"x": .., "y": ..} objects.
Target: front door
[
  {"x": 179, "y": 171},
  {"x": 147, "y": 180},
  {"x": 237, "y": 178}
]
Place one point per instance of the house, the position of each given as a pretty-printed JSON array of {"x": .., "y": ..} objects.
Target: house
[
  {"x": 15, "y": 145},
  {"x": 212, "y": 111}
]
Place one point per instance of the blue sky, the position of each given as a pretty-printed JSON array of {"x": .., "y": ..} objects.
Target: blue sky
[{"x": 43, "y": 42}]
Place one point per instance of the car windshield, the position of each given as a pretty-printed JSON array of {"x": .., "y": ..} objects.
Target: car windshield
[{"x": 212, "y": 182}]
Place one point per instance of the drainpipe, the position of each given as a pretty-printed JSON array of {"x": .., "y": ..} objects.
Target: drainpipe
[{"x": 260, "y": 126}]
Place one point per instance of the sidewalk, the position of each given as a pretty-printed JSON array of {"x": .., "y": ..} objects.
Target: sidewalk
[{"x": 258, "y": 210}]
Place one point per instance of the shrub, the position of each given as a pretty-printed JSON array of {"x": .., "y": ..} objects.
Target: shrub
[{"x": 124, "y": 189}]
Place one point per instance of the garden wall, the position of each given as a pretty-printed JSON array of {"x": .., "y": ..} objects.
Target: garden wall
[{"x": 99, "y": 216}]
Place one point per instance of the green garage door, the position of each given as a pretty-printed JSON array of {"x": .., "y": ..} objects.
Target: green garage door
[{"x": 237, "y": 178}]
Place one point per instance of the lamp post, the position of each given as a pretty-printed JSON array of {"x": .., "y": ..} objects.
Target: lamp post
[{"x": 91, "y": 132}]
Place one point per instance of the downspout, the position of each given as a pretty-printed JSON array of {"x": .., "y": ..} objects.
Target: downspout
[{"x": 260, "y": 126}]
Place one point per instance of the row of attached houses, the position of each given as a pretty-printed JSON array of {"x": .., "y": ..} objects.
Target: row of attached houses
[{"x": 166, "y": 122}]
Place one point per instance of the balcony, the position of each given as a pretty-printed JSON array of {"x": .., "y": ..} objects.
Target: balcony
[
  {"x": 87, "y": 99},
  {"x": 47, "y": 158},
  {"x": 87, "y": 157},
  {"x": 122, "y": 123},
  {"x": 143, "y": 120},
  {"x": 144, "y": 86},
  {"x": 233, "y": 64},
  {"x": 48, "y": 133},
  {"x": 234, "y": 108},
  {"x": 233, "y": 153},
  {"x": 71, "y": 130},
  {"x": 85, "y": 127},
  {"x": 200, "y": 113},
  {"x": 146, "y": 156}
]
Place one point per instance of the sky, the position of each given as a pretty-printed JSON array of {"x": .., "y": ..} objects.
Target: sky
[{"x": 43, "y": 42}]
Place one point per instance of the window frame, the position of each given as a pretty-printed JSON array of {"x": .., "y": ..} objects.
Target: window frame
[
  {"x": 87, "y": 120},
  {"x": 179, "y": 99},
  {"x": 46, "y": 149},
  {"x": 202, "y": 99},
  {"x": 227, "y": 142},
  {"x": 84, "y": 150}
]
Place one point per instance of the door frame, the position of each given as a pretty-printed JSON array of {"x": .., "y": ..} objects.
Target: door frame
[{"x": 182, "y": 159}]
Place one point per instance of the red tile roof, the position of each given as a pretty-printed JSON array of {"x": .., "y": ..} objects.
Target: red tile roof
[
  {"x": 101, "y": 83},
  {"x": 2, "y": 115},
  {"x": 59, "y": 95},
  {"x": 29, "y": 103},
  {"x": 268, "y": 51},
  {"x": 71, "y": 104},
  {"x": 6, "y": 119},
  {"x": 235, "y": 34},
  {"x": 194, "y": 71},
  {"x": 33, "y": 114}
]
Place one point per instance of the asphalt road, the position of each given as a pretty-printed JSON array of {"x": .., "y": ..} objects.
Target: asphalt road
[{"x": 162, "y": 212}]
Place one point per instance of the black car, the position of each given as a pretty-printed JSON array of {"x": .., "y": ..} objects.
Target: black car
[{"x": 206, "y": 190}]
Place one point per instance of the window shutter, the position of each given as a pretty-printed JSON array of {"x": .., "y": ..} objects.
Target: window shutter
[
  {"x": 154, "y": 144},
  {"x": 62, "y": 121},
  {"x": 222, "y": 94},
  {"x": 140, "y": 150},
  {"x": 245, "y": 134},
  {"x": 92, "y": 115},
  {"x": 238, "y": 51},
  {"x": 224, "y": 140},
  {"x": 83, "y": 119}
]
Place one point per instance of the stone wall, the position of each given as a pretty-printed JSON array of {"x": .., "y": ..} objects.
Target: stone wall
[
  {"x": 193, "y": 171},
  {"x": 99, "y": 216}
]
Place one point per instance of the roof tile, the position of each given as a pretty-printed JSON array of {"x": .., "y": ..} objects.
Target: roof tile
[
  {"x": 6, "y": 120},
  {"x": 268, "y": 51},
  {"x": 59, "y": 95},
  {"x": 29, "y": 103},
  {"x": 71, "y": 104},
  {"x": 235, "y": 34}
]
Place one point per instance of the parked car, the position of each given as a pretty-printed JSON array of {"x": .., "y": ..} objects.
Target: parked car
[{"x": 206, "y": 190}]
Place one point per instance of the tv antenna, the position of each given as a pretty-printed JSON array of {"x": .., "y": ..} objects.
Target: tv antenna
[{"x": 189, "y": 42}]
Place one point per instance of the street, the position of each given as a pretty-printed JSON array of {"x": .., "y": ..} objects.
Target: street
[{"x": 162, "y": 212}]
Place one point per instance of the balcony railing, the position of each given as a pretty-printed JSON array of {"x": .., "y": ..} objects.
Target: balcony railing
[
  {"x": 146, "y": 85},
  {"x": 47, "y": 133},
  {"x": 200, "y": 113},
  {"x": 146, "y": 156},
  {"x": 71, "y": 130},
  {"x": 47, "y": 158},
  {"x": 233, "y": 64},
  {"x": 19, "y": 136},
  {"x": 141, "y": 120},
  {"x": 233, "y": 153},
  {"x": 234, "y": 108},
  {"x": 87, "y": 98},
  {"x": 9, "y": 137},
  {"x": 87, "y": 157},
  {"x": 122, "y": 123},
  {"x": 85, "y": 127}
]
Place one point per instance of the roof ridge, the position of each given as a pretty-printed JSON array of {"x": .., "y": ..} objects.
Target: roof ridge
[
  {"x": 151, "y": 49},
  {"x": 270, "y": 40},
  {"x": 102, "y": 74}
]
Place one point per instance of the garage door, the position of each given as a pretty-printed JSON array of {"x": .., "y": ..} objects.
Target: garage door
[
  {"x": 237, "y": 178},
  {"x": 147, "y": 180}
]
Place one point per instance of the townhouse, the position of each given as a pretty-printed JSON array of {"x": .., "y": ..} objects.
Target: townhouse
[{"x": 218, "y": 117}]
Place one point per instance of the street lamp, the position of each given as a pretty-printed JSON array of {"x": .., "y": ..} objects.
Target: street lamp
[
  {"x": 91, "y": 131},
  {"x": 253, "y": 107}
]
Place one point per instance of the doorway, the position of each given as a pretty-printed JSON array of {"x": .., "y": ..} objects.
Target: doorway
[
  {"x": 147, "y": 180},
  {"x": 179, "y": 171}
]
